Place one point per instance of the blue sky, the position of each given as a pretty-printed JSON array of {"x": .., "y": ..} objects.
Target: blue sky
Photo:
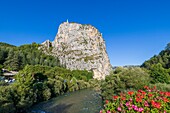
[{"x": 134, "y": 30}]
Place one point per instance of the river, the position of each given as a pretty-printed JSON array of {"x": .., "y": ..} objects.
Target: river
[{"x": 83, "y": 101}]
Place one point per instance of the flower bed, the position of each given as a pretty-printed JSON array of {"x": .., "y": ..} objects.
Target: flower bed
[{"x": 149, "y": 100}]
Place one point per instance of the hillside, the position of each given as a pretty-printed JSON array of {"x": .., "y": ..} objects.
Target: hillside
[
  {"x": 15, "y": 58},
  {"x": 159, "y": 66},
  {"x": 163, "y": 58}
]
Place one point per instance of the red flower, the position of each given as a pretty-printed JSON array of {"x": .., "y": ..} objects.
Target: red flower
[
  {"x": 115, "y": 97},
  {"x": 167, "y": 94},
  {"x": 107, "y": 101},
  {"x": 150, "y": 95},
  {"x": 140, "y": 91},
  {"x": 161, "y": 93},
  {"x": 146, "y": 87},
  {"x": 138, "y": 99},
  {"x": 130, "y": 92},
  {"x": 154, "y": 87},
  {"x": 144, "y": 93},
  {"x": 152, "y": 101},
  {"x": 138, "y": 95},
  {"x": 165, "y": 100},
  {"x": 123, "y": 98},
  {"x": 156, "y": 104},
  {"x": 141, "y": 96}
]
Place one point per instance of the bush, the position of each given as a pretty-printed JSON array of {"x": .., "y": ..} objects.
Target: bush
[
  {"x": 6, "y": 102},
  {"x": 161, "y": 86},
  {"x": 159, "y": 74},
  {"x": 124, "y": 79},
  {"x": 82, "y": 74},
  {"x": 1, "y": 69},
  {"x": 39, "y": 83}
]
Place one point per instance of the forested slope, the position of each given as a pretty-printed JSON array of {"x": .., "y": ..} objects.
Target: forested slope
[{"x": 15, "y": 58}]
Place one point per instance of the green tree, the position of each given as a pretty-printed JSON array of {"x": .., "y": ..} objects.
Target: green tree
[
  {"x": 124, "y": 79},
  {"x": 73, "y": 84},
  {"x": 163, "y": 58},
  {"x": 38, "y": 83},
  {"x": 159, "y": 74},
  {"x": 6, "y": 102},
  {"x": 3, "y": 55},
  {"x": 24, "y": 94},
  {"x": 15, "y": 58},
  {"x": 1, "y": 69},
  {"x": 168, "y": 46}
]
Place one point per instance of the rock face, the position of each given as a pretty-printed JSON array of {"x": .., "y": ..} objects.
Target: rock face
[{"x": 81, "y": 47}]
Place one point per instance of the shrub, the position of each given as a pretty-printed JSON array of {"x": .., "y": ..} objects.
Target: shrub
[
  {"x": 159, "y": 74},
  {"x": 39, "y": 83},
  {"x": 6, "y": 103},
  {"x": 161, "y": 86},
  {"x": 124, "y": 79}
]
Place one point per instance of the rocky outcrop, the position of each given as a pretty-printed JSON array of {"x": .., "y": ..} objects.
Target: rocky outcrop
[{"x": 81, "y": 47}]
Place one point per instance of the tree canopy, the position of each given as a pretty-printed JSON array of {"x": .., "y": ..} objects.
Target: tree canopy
[
  {"x": 40, "y": 83},
  {"x": 159, "y": 66},
  {"x": 163, "y": 58},
  {"x": 15, "y": 58}
]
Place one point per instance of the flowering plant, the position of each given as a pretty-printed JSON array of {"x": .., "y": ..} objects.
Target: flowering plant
[{"x": 149, "y": 100}]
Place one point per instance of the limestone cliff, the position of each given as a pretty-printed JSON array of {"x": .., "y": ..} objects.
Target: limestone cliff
[{"x": 81, "y": 47}]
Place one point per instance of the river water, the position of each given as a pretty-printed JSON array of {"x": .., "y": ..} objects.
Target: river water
[{"x": 83, "y": 101}]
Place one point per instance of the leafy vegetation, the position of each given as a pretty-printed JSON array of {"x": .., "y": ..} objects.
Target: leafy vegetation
[
  {"x": 39, "y": 83},
  {"x": 36, "y": 83},
  {"x": 159, "y": 66},
  {"x": 154, "y": 73},
  {"x": 15, "y": 58},
  {"x": 163, "y": 58},
  {"x": 124, "y": 79},
  {"x": 149, "y": 100},
  {"x": 159, "y": 74},
  {"x": 1, "y": 70}
]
